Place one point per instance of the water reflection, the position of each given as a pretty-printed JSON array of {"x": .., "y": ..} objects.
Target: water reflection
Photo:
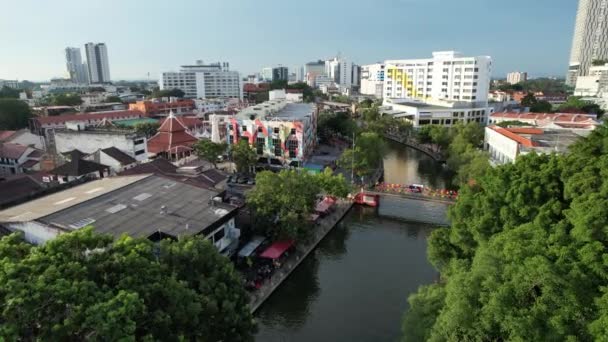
[
  {"x": 404, "y": 165},
  {"x": 334, "y": 245}
]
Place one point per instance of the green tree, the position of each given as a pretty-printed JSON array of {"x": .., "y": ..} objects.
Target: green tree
[
  {"x": 307, "y": 92},
  {"x": 576, "y": 105},
  {"x": 529, "y": 100},
  {"x": 525, "y": 256},
  {"x": 367, "y": 156},
  {"x": 112, "y": 99},
  {"x": 66, "y": 100},
  {"x": 282, "y": 203},
  {"x": 278, "y": 84},
  {"x": 210, "y": 151},
  {"x": 14, "y": 114},
  {"x": 85, "y": 286},
  {"x": 168, "y": 93},
  {"x": 340, "y": 123},
  {"x": 6, "y": 92},
  {"x": 335, "y": 185},
  {"x": 541, "y": 107},
  {"x": 243, "y": 156},
  {"x": 148, "y": 129}
]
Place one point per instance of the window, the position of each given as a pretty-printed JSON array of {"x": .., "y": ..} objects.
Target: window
[
  {"x": 456, "y": 83},
  {"x": 444, "y": 83},
  {"x": 292, "y": 146},
  {"x": 429, "y": 83},
  {"x": 476, "y": 69},
  {"x": 473, "y": 97},
  {"x": 276, "y": 130},
  {"x": 445, "y": 77},
  {"x": 244, "y": 128},
  {"x": 475, "y": 77},
  {"x": 423, "y": 122},
  {"x": 260, "y": 130},
  {"x": 260, "y": 141},
  {"x": 138, "y": 141},
  {"x": 435, "y": 122},
  {"x": 468, "y": 69},
  {"x": 219, "y": 235},
  {"x": 140, "y": 152},
  {"x": 277, "y": 147}
]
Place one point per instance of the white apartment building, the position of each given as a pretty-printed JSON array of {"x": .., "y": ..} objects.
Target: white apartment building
[
  {"x": 448, "y": 76},
  {"x": 590, "y": 40},
  {"x": 97, "y": 61},
  {"x": 340, "y": 71},
  {"x": 266, "y": 74},
  {"x": 517, "y": 77},
  {"x": 372, "y": 79},
  {"x": 202, "y": 81},
  {"x": 76, "y": 69}
]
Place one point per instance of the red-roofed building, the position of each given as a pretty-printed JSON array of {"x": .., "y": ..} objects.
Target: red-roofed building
[
  {"x": 39, "y": 125},
  {"x": 16, "y": 159},
  {"x": 251, "y": 90},
  {"x": 505, "y": 144},
  {"x": 151, "y": 108},
  {"x": 172, "y": 140},
  {"x": 543, "y": 120}
]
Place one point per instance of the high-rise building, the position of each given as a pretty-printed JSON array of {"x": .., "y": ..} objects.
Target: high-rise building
[
  {"x": 372, "y": 79},
  {"x": 76, "y": 69},
  {"x": 447, "y": 76},
  {"x": 280, "y": 73},
  {"x": 204, "y": 81},
  {"x": 312, "y": 70},
  {"x": 97, "y": 61},
  {"x": 517, "y": 77},
  {"x": 340, "y": 70},
  {"x": 590, "y": 41},
  {"x": 267, "y": 74}
]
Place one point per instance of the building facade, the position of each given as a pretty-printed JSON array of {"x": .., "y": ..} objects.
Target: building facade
[
  {"x": 162, "y": 109},
  {"x": 77, "y": 70},
  {"x": 98, "y": 63},
  {"x": 590, "y": 40},
  {"x": 312, "y": 70},
  {"x": 372, "y": 79},
  {"x": 282, "y": 132},
  {"x": 340, "y": 70},
  {"x": 448, "y": 76},
  {"x": 202, "y": 81},
  {"x": 446, "y": 113},
  {"x": 280, "y": 73},
  {"x": 517, "y": 77}
]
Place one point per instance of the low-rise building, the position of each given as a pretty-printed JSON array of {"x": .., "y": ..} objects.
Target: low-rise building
[
  {"x": 446, "y": 113},
  {"x": 291, "y": 95},
  {"x": 580, "y": 121},
  {"x": 92, "y": 139},
  {"x": 506, "y": 144},
  {"x": 162, "y": 109},
  {"x": 145, "y": 206},
  {"x": 42, "y": 124},
  {"x": 280, "y": 131},
  {"x": 16, "y": 159},
  {"x": 172, "y": 141}
]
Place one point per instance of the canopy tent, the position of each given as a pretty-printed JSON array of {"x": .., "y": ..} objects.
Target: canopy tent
[
  {"x": 251, "y": 246},
  {"x": 277, "y": 249}
]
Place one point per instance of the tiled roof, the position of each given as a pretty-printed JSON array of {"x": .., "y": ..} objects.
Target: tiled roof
[
  {"x": 113, "y": 115},
  {"x": 35, "y": 154},
  {"x": 554, "y": 117},
  {"x": 6, "y": 134},
  {"x": 171, "y": 136},
  {"x": 30, "y": 163},
  {"x": 78, "y": 167},
  {"x": 187, "y": 121},
  {"x": 17, "y": 187},
  {"x": 118, "y": 155},
  {"x": 514, "y": 136},
  {"x": 158, "y": 166},
  {"x": 12, "y": 151},
  {"x": 260, "y": 87}
]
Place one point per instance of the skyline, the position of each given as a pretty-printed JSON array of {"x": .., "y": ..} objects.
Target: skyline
[{"x": 519, "y": 36}]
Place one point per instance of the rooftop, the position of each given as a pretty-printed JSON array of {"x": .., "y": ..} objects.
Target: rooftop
[
  {"x": 280, "y": 109},
  {"x": 539, "y": 140},
  {"x": 135, "y": 205},
  {"x": 60, "y": 119},
  {"x": 118, "y": 155},
  {"x": 12, "y": 151}
]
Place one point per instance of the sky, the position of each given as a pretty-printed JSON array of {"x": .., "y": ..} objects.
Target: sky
[{"x": 153, "y": 36}]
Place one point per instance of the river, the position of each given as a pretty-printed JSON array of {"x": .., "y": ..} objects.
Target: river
[{"x": 354, "y": 286}]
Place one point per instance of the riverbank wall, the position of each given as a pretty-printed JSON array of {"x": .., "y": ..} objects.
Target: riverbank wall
[{"x": 326, "y": 224}]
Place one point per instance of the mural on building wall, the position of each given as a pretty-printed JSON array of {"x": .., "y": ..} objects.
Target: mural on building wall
[{"x": 255, "y": 129}]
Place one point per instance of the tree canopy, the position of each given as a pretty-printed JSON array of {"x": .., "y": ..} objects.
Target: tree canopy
[
  {"x": 535, "y": 105},
  {"x": 366, "y": 157},
  {"x": 6, "y": 92},
  {"x": 335, "y": 123},
  {"x": 66, "y": 100},
  {"x": 14, "y": 114},
  {"x": 525, "y": 257},
  {"x": 148, "y": 129},
  {"x": 576, "y": 105},
  {"x": 282, "y": 203},
  {"x": 113, "y": 98},
  {"x": 85, "y": 286},
  {"x": 210, "y": 151},
  {"x": 546, "y": 85},
  {"x": 243, "y": 156},
  {"x": 168, "y": 93}
]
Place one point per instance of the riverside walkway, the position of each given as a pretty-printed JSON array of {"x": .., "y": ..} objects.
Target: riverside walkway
[
  {"x": 325, "y": 225},
  {"x": 437, "y": 156}
]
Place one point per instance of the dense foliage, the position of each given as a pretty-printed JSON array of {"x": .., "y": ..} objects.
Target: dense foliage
[
  {"x": 168, "y": 93},
  {"x": 8, "y": 93},
  {"x": 546, "y": 85},
  {"x": 14, "y": 114},
  {"x": 576, "y": 105},
  {"x": 85, "y": 286},
  {"x": 210, "y": 151},
  {"x": 366, "y": 157},
  {"x": 282, "y": 203},
  {"x": 525, "y": 258},
  {"x": 535, "y": 105},
  {"x": 148, "y": 129},
  {"x": 335, "y": 123},
  {"x": 243, "y": 155}
]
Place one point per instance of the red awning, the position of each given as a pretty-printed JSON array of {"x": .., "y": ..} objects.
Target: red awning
[
  {"x": 324, "y": 205},
  {"x": 276, "y": 249}
]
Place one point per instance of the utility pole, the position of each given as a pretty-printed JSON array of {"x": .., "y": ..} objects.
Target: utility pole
[{"x": 352, "y": 168}]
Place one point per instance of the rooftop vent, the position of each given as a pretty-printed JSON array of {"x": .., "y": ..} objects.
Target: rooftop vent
[
  {"x": 142, "y": 196},
  {"x": 82, "y": 223},
  {"x": 116, "y": 208}
]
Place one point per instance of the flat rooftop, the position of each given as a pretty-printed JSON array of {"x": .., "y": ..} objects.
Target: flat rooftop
[
  {"x": 138, "y": 206},
  {"x": 279, "y": 109}
]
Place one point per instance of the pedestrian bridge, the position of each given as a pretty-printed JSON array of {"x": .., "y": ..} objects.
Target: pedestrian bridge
[{"x": 414, "y": 209}]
